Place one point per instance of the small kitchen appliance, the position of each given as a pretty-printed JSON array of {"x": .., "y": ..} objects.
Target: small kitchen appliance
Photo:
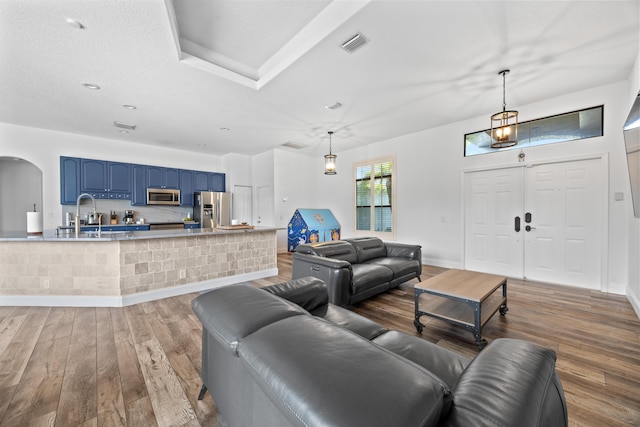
[{"x": 129, "y": 217}]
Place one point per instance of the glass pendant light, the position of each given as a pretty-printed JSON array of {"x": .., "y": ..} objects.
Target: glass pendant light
[{"x": 330, "y": 159}]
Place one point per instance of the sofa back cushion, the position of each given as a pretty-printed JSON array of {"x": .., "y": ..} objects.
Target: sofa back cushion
[
  {"x": 319, "y": 374},
  {"x": 220, "y": 317},
  {"x": 307, "y": 292},
  {"x": 337, "y": 249},
  {"x": 368, "y": 248}
]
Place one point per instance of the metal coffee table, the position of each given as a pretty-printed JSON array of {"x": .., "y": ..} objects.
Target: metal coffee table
[{"x": 461, "y": 297}]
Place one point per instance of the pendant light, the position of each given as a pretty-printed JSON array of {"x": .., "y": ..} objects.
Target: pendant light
[
  {"x": 504, "y": 125},
  {"x": 330, "y": 159}
]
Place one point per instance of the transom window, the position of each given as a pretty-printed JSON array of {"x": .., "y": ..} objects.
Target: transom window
[
  {"x": 375, "y": 197},
  {"x": 581, "y": 124}
]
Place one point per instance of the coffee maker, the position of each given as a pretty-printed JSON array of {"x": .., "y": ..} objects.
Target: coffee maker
[{"x": 128, "y": 217}]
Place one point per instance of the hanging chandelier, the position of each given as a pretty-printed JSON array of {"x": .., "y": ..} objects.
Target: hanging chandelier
[
  {"x": 330, "y": 159},
  {"x": 504, "y": 125}
]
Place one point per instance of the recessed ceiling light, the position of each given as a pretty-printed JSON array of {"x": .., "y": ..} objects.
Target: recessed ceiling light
[
  {"x": 129, "y": 107},
  {"x": 91, "y": 86},
  {"x": 202, "y": 145},
  {"x": 225, "y": 129},
  {"x": 123, "y": 131},
  {"x": 75, "y": 24}
]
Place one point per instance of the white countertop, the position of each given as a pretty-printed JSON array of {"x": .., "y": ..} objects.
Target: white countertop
[{"x": 109, "y": 236}]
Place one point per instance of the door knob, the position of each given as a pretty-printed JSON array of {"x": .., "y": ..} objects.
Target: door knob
[{"x": 529, "y": 228}]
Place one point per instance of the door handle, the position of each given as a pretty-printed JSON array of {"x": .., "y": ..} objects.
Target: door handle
[
  {"x": 517, "y": 224},
  {"x": 529, "y": 228}
]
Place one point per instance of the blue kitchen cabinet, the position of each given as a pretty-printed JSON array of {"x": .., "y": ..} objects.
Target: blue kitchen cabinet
[
  {"x": 217, "y": 182},
  {"x": 159, "y": 177},
  {"x": 138, "y": 185},
  {"x": 105, "y": 180},
  {"x": 186, "y": 187},
  {"x": 208, "y": 181},
  {"x": 69, "y": 180}
]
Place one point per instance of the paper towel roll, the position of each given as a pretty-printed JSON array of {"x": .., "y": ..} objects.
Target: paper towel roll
[{"x": 34, "y": 222}]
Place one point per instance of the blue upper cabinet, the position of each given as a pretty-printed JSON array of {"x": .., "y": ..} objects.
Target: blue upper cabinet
[
  {"x": 105, "y": 180},
  {"x": 208, "y": 181},
  {"x": 69, "y": 180},
  {"x": 115, "y": 180},
  {"x": 94, "y": 176},
  {"x": 119, "y": 177},
  {"x": 138, "y": 185},
  {"x": 186, "y": 187},
  {"x": 159, "y": 177}
]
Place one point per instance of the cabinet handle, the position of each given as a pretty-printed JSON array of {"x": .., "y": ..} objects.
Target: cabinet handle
[
  {"x": 517, "y": 224},
  {"x": 527, "y": 217}
]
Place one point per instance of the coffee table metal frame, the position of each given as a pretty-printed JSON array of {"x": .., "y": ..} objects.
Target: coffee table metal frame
[{"x": 451, "y": 291}]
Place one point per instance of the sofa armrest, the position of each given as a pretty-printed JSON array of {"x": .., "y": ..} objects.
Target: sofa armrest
[
  {"x": 404, "y": 250},
  {"x": 335, "y": 273},
  {"x": 511, "y": 382},
  {"x": 307, "y": 292}
]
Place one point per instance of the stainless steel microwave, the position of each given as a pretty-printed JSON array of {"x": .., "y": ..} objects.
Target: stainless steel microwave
[{"x": 163, "y": 196}]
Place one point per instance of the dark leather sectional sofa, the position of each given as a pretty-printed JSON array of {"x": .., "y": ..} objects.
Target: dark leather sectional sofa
[
  {"x": 358, "y": 268},
  {"x": 284, "y": 356}
]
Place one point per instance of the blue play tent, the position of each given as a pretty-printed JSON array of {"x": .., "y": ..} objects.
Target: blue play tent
[{"x": 312, "y": 225}]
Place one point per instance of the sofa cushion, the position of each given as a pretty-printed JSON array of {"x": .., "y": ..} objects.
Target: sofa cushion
[
  {"x": 399, "y": 266},
  {"x": 368, "y": 248},
  {"x": 349, "y": 320},
  {"x": 337, "y": 249},
  {"x": 368, "y": 276},
  {"x": 323, "y": 375},
  {"x": 440, "y": 361},
  {"x": 307, "y": 292},
  {"x": 217, "y": 310}
]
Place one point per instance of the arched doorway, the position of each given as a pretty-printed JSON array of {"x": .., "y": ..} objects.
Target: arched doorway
[{"x": 20, "y": 189}]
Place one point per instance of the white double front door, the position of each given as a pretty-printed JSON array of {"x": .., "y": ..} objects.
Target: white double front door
[{"x": 540, "y": 222}]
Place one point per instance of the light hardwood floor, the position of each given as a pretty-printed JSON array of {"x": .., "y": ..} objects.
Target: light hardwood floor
[{"x": 139, "y": 365}]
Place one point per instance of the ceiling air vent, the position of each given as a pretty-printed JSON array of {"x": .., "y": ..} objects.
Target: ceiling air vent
[
  {"x": 295, "y": 145},
  {"x": 124, "y": 126},
  {"x": 354, "y": 43}
]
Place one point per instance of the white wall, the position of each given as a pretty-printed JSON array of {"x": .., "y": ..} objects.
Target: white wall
[
  {"x": 20, "y": 188},
  {"x": 429, "y": 175},
  {"x": 43, "y": 148},
  {"x": 633, "y": 288}
]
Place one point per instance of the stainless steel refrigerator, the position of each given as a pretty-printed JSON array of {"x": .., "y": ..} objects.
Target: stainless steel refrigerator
[{"x": 211, "y": 208}]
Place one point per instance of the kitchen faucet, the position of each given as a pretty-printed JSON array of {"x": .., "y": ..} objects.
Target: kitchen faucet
[{"x": 78, "y": 210}]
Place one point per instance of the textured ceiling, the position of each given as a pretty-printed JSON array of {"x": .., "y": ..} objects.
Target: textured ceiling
[{"x": 266, "y": 69}]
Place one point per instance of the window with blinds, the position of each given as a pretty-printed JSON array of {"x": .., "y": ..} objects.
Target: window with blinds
[{"x": 374, "y": 198}]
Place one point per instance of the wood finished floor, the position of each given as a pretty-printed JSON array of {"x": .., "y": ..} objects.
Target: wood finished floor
[{"x": 140, "y": 365}]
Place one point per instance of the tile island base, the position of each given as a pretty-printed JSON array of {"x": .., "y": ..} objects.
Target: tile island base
[{"x": 129, "y": 269}]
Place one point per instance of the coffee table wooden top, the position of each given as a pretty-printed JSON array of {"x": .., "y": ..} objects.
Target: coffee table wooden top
[{"x": 463, "y": 284}]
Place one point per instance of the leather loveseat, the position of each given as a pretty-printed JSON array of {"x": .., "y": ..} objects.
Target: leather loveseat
[
  {"x": 284, "y": 356},
  {"x": 358, "y": 268}
]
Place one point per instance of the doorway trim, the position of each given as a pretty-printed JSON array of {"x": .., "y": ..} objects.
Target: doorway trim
[{"x": 604, "y": 202}]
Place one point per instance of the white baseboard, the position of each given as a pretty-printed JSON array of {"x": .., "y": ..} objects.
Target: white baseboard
[
  {"x": 125, "y": 300},
  {"x": 635, "y": 301},
  {"x": 443, "y": 263}
]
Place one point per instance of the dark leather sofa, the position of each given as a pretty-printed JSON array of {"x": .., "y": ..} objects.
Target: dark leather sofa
[
  {"x": 358, "y": 268},
  {"x": 284, "y": 356}
]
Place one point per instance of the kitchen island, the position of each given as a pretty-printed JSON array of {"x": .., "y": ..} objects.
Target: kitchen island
[{"x": 118, "y": 268}]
